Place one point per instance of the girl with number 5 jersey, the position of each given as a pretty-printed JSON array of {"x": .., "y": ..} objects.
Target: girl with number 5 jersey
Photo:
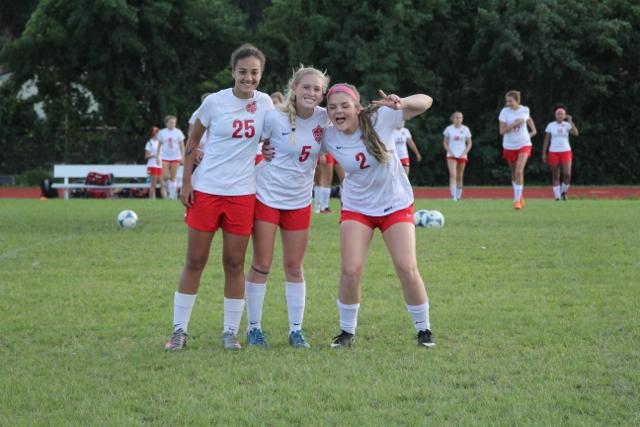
[
  {"x": 283, "y": 190},
  {"x": 376, "y": 194},
  {"x": 221, "y": 192}
]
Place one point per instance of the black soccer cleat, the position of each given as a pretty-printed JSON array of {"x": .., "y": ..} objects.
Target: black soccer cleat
[
  {"x": 425, "y": 339},
  {"x": 564, "y": 196},
  {"x": 177, "y": 342},
  {"x": 345, "y": 339}
]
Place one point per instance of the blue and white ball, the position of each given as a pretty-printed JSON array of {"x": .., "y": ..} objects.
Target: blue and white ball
[
  {"x": 435, "y": 219},
  {"x": 420, "y": 218},
  {"x": 127, "y": 219}
]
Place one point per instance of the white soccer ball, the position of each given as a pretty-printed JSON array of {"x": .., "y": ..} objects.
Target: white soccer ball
[
  {"x": 435, "y": 219},
  {"x": 127, "y": 219},
  {"x": 420, "y": 218}
]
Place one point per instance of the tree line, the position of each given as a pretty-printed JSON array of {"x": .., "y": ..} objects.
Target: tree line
[{"x": 138, "y": 61}]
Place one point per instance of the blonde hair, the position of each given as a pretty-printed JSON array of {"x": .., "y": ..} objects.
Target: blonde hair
[
  {"x": 167, "y": 118},
  {"x": 289, "y": 105},
  {"x": 515, "y": 94},
  {"x": 366, "y": 120}
]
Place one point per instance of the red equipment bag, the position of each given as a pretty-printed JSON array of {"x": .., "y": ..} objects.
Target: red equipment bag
[{"x": 95, "y": 178}]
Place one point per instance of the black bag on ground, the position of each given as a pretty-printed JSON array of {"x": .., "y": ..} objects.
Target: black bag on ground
[{"x": 46, "y": 190}]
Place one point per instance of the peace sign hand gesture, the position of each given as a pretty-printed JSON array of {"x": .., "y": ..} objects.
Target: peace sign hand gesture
[{"x": 391, "y": 101}]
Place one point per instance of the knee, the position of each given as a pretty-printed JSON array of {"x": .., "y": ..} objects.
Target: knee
[
  {"x": 408, "y": 270},
  {"x": 567, "y": 177},
  {"x": 261, "y": 265},
  {"x": 233, "y": 264},
  {"x": 195, "y": 263},
  {"x": 293, "y": 271},
  {"x": 351, "y": 274}
]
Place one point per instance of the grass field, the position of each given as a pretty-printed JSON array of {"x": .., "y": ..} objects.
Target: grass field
[{"x": 536, "y": 316}]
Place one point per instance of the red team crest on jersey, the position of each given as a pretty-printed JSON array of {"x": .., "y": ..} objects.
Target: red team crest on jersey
[
  {"x": 252, "y": 107},
  {"x": 318, "y": 131}
]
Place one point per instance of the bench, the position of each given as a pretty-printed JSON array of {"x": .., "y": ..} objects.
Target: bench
[{"x": 78, "y": 173}]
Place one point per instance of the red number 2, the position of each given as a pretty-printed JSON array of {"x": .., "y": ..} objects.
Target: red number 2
[
  {"x": 304, "y": 155},
  {"x": 247, "y": 125},
  {"x": 362, "y": 159}
]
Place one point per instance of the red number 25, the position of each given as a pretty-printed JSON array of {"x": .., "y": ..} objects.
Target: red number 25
[{"x": 247, "y": 125}]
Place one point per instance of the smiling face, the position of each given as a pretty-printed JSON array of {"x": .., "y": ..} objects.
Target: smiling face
[
  {"x": 560, "y": 115},
  {"x": 308, "y": 92},
  {"x": 247, "y": 74},
  {"x": 511, "y": 102},
  {"x": 343, "y": 112}
]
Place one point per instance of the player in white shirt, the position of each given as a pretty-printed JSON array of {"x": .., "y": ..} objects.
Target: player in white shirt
[
  {"x": 376, "y": 194},
  {"x": 203, "y": 140},
  {"x": 283, "y": 193},
  {"x": 559, "y": 157},
  {"x": 153, "y": 154},
  {"x": 517, "y": 129},
  {"x": 403, "y": 140},
  {"x": 220, "y": 193},
  {"x": 457, "y": 144},
  {"x": 172, "y": 142}
]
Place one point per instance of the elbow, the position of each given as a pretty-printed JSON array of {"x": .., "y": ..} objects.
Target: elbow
[{"x": 428, "y": 102}]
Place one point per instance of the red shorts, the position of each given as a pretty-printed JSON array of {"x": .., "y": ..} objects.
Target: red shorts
[
  {"x": 405, "y": 161},
  {"x": 234, "y": 214},
  {"x": 558, "y": 158},
  {"x": 294, "y": 219},
  {"x": 259, "y": 158},
  {"x": 154, "y": 171},
  {"x": 459, "y": 160},
  {"x": 330, "y": 159},
  {"x": 382, "y": 222},
  {"x": 171, "y": 161},
  {"x": 512, "y": 155}
]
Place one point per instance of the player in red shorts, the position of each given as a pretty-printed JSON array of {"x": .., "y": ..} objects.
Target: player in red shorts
[
  {"x": 403, "y": 139},
  {"x": 559, "y": 157},
  {"x": 153, "y": 154},
  {"x": 283, "y": 189},
  {"x": 457, "y": 144},
  {"x": 172, "y": 141},
  {"x": 376, "y": 194},
  {"x": 220, "y": 193},
  {"x": 517, "y": 129}
]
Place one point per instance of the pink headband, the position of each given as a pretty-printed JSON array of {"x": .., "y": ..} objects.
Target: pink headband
[
  {"x": 344, "y": 88},
  {"x": 560, "y": 108}
]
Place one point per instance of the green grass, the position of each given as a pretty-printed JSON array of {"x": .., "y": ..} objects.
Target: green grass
[{"x": 535, "y": 313}]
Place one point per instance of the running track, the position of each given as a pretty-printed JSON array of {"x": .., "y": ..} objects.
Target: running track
[{"x": 438, "y": 192}]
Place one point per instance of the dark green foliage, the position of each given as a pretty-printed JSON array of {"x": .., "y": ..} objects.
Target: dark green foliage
[{"x": 157, "y": 57}]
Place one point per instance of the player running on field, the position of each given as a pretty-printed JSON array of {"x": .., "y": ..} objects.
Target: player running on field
[
  {"x": 221, "y": 192},
  {"x": 559, "y": 156},
  {"x": 457, "y": 144},
  {"x": 283, "y": 189},
  {"x": 517, "y": 129},
  {"x": 376, "y": 194},
  {"x": 403, "y": 140}
]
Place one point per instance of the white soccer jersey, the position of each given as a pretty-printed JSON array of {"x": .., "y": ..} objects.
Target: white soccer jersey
[
  {"x": 559, "y": 136},
  {"x": 371, "y": 188},
  {"x": 518, "y": 137},
  {"x": 401, "y": 136},
  {"x": 286, "y": 181},
  {"x": 152, "y": 147},
  {"x": 457, "y": 138},
  {"x": 234, "y": 127},
  {"x": 170, "y": 140}
]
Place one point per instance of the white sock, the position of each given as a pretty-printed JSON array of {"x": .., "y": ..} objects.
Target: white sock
[
  {"x": 182, "y": 306},
  {"x": 317, "y": 203},
  {"x": 556, "y": 191},
  {"x": 326, "y": 197},
  {"x": 348, "y": 317},
  {"x": 295, "y": 294},
  {"x": 454, "y": 191},
  {"x": 513, "y": 184},
  {"x": 254, "y": 295},
  {"x": 517, "y": 192},
  {"x": 420, "y": 316},
  {"x": 459, "y": 193},
  {"x": 233, "y": 309},
  {"x": 565, "y": 188}
]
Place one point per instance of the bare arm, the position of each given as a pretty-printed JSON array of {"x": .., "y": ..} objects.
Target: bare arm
[
  {"x": 182, "y": 149},
  {"x": 468, "y": 145},
  {"x": 414, "y": 148},
  {"x": 190, "y": 153},
  {"x": 545, "y": 145},
  {"x": 574, "y": 130},
  {"x": 532, "y": 126},
  {"x": 504, "y": 128},
  {"x": 445, "y": 143},
  {"x": 411, "y": 106}
]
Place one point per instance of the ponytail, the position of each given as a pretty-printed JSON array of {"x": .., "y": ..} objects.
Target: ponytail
[{"x": 369, "y": 136}]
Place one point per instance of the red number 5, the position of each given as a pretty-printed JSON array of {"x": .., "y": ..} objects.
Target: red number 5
[
  {"x": 304, "y": 155},
  {"x": 362, "y": 159},
  {"x": 247, "y": 125}
]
